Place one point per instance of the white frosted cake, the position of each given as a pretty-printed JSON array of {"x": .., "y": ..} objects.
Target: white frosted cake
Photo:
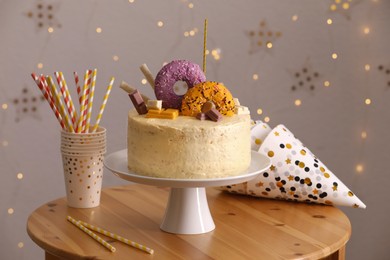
[{"x": 188, "y": 148}]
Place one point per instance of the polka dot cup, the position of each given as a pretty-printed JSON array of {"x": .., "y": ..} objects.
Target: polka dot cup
[{"x": 83, "y": 167}]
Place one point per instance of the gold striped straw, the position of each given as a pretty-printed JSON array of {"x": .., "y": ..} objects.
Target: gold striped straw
[
  {"x": 59, "y": 104},
  {"x": 90, "y": 102},
  {"x": 117, "y": 237},
  {"x": 204, "y": 45},
  {"x": 90, "y": 233},
  {"x": 99, "y": 116},
  {"x": 87, "y": 78}
]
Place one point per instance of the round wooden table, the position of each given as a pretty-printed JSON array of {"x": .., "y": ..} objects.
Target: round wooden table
[{"x": 246, "y": 228}]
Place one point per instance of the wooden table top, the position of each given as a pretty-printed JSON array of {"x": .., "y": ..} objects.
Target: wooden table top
[{"x": 246, "y": 228}]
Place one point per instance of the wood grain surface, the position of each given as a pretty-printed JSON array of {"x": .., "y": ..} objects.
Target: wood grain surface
[{"x": 246, "y": 228}]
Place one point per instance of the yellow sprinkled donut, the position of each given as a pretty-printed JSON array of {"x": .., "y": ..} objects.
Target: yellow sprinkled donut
[{"x": 212, "y": 91}]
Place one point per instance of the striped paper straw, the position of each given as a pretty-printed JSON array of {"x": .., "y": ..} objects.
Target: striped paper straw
[
  {"x": 67, "y": 97},
  {"x": 99, "y": 116},
  {"x": 79, "y": 94},
  {"x": 117, "y": 237},
  {"x": 90, "y": 100},
  {"x": 60, "y": 105},
  {"x": 46, "y": 87},
  {"x": 45, "y": 93},
  {"x": 91, "y": 234},
  {"x": 83, "y": 107},
  {"x": 78, "y": 88}
]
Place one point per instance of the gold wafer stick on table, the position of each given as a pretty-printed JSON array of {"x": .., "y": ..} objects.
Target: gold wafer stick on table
[
  {"x": 91, "y": 234},
  {"x": 117, "y": 237}
]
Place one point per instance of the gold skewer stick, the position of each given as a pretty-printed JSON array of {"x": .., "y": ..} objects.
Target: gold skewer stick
[{"x": 204, "y": 45}]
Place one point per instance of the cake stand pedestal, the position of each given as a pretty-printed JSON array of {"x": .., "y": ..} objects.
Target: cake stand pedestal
[{"x": 187, "y": 211}]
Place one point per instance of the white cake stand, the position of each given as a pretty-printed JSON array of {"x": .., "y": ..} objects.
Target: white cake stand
[{"x": 187, "y": 211}]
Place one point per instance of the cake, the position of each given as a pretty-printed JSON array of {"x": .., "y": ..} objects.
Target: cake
[
  {"x": 188, "y": 148},
  {"x": 202, "y": 134}
]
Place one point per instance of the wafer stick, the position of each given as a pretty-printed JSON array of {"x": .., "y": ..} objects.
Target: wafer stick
[
  {"x": 105, "y": 98},
  {"x": 117, "y": 237},
  {"x": 148, "y": 75},
  {"x": 51, "y": 103},
  {"x": 59, "y": 104},
  {"x": 91, "y": 234},
  {"x": 130, "y": 90}
]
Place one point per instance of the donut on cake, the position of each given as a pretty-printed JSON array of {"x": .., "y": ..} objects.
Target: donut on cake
[{"x": 173, "y": 141}]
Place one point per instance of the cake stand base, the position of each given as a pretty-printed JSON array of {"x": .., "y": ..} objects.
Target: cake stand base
[{"x": 187, "y": 212}]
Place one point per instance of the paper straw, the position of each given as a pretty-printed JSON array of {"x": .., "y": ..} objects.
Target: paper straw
[
  {"x": 91, "y": 234},
  {"x": 148, "y": 75},
  {"x": 90, "y": 101},
  {"x": 99, "y": 116},
  {"x": 59, "y": 104},
  {"x": 117, "y": 237},
  {"x": 66, "y": 95},
  {"x": 130, "y": 90},
  {"x": 83, "y": 108},
  {"x": 51, "y": 103},
  {"x": 204, "y": 45},
  {"x": 79, "y": 94},
  {"x": 78, "y": 88},
  {"x": 46, "y": 87}
]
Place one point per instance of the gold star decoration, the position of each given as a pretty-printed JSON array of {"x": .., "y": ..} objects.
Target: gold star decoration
[
  {"x": 276, "y": 133},
  {"x": 290, "y": 178},
  {"x": 288, "y": 161},
  {"x": 43, "y": 14},
  {"x": 263, "y": 39},
  {"x": 272, "y": 167},
  {"x": 27, "y": 105},
  {"x": 315, "y": 191},
  {"x": 385, "y": 70},
  {"x": 259, "y": 184},
  {"x": 305, "y": 77}
]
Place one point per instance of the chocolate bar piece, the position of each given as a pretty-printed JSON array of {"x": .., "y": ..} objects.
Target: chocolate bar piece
[
  {"x": 214, "y": 115},
  {"x": 154, "y": 104},
  {"x": 201, "y": 116},
  {"x": 207, "y": 106},
  {"x": 168, "y": 113},
  {"x": 138, "y": 102},
  {"x": 241, "y": 110}
]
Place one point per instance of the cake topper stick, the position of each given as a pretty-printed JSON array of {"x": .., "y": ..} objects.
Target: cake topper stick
[
  {"x": 204, "y": 45},
  {"x": 129, "y": 90},
  {"x": 148, "y": 75}
]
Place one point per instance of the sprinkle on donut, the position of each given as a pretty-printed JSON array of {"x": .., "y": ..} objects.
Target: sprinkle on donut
[
  {"x": 177, "y": 70},
  {"x": 201, "y": 93}
]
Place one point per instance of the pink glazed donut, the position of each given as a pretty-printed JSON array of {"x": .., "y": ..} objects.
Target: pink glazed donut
[{"x": 177, "y": 70}]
